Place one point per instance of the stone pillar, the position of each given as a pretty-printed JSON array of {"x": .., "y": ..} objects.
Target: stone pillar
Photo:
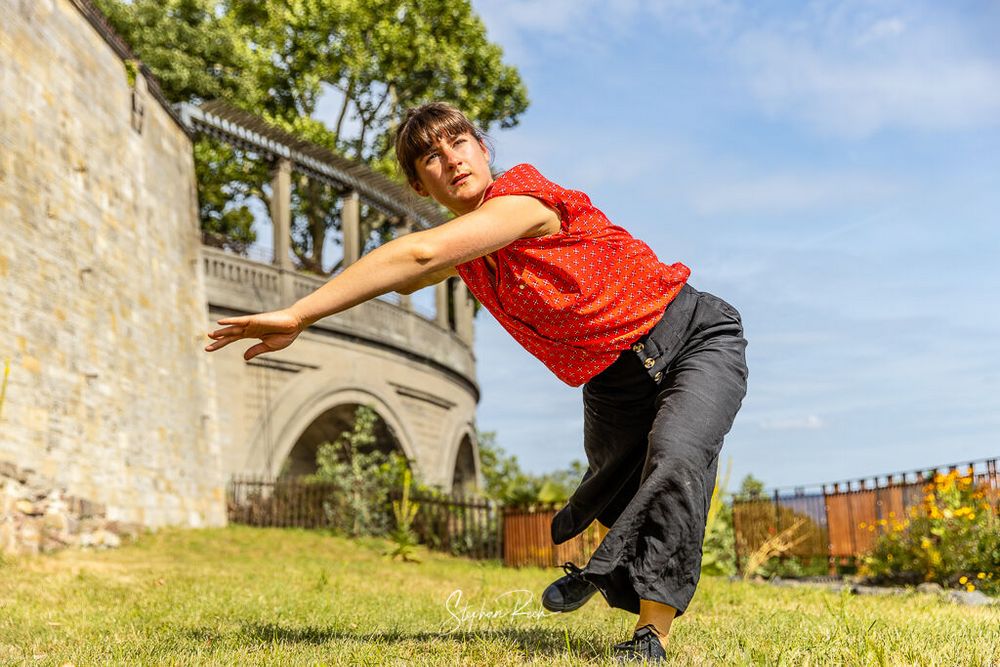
[
  {"x": 281, "y": 221},
  {"x": 405, "y": 228},
  {"x": 465, "y": 312},
  {"x": 350, "y": 221}
]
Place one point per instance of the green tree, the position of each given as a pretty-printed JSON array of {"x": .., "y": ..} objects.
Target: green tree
[
  {"x": 196, "y": 54},
  {"x": 189, "y": 46},
  {"x": 507, "y": 483},
  {"x": 276, "y": 58},
  {"x": 750, "y": 487}
]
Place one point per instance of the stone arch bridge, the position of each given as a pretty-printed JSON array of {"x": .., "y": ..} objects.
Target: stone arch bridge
[{"x": 416, "y": 371}]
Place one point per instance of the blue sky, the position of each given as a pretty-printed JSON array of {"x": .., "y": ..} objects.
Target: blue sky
[{"x": 831, "y": 169}]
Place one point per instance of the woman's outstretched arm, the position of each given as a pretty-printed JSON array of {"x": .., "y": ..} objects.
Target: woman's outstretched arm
[{"x": 393, "y": 266}]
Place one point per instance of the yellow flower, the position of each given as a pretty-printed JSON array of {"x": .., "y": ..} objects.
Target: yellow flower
[
  {"x": 981, "y": 575},
  {"x": 925, "y": 542},
  {"x": 970, "y": 588},
  {"x": 963, "y": 580},
  {"x": 862, "y": 524},
  {"x": 892, "y": 515}
]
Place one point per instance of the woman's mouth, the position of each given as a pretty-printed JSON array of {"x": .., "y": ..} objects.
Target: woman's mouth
[{"x": 458, "y": 179}]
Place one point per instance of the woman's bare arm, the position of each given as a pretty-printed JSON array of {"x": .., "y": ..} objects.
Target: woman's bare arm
[
  {"x": 391, "y": 267},
  {"x": 398, "y": 263},
  {"x": 428, "y": 280}
]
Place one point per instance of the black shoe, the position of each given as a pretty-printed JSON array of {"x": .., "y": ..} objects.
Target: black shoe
[
  {"x": 644, "y": 645},
  {"x": 570, "y": 592}
]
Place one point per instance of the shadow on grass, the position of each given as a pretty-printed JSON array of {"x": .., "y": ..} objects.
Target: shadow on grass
[{"x": 532, "y": 641}]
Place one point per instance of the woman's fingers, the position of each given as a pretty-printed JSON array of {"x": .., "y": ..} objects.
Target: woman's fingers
[
  {"x": 228, "y": 331},
  {"x": 222, "y": 343},
  {"x": 255, "y": 350},
  {"x": 275, "y": 329}
]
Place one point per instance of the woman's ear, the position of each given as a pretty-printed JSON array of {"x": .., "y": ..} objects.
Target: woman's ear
[{"x": 418, "y": 187}]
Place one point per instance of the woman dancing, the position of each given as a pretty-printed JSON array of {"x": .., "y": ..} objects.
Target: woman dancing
[{"x": 663, "y": 365}]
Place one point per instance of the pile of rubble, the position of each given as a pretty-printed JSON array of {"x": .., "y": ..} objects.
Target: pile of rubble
[{"x": 37, "y": 516}]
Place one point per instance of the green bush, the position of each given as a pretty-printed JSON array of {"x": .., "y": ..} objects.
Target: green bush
[
  {"x": 403, "y": 537},
  {"x": 719, "y": 547},
  {"x": 951, "y": 538},
  {"x": 363, "y": 497},
  {"x": 791, "y": 567},
  {"x": 361, "y": 479}
]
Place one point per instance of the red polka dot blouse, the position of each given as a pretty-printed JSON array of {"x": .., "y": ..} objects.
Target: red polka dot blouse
[{"x": 576, "y": 298}]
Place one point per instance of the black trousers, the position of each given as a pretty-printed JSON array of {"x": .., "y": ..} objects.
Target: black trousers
[{"x": 654, "y": 422}]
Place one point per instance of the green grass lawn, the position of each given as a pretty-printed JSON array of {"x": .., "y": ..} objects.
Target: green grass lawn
[{"x": 240, "y": 595}]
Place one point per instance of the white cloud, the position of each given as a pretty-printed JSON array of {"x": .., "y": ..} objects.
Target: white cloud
[
  {"x": 853, "y": 68},
  {"x": 809, "y": 422},
  {"x": 785, "y": 192},
  {"x": 846, "y": 68},
  {"x": 518, "y": 25},
  {"x": 881, "y": 30},
  {"x": 855, "y": 95}
]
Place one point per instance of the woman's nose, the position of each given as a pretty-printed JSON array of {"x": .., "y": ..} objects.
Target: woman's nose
[{"x": 452, "y": 157}]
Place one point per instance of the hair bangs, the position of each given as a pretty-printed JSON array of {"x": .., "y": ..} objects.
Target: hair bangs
[{"x": 422, "y": 127}]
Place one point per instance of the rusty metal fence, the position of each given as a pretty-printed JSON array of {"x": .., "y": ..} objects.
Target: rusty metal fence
[
  {"x": 455, "y": 524},
  {"x": 528, "y": 538},
  {"x": 464, "y": 526},
  {"x": 833, "y": 513}
]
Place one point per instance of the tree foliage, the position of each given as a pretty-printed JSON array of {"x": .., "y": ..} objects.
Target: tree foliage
[
  {"x": 750, "y": 488},
  {"x": 362, "y": 477},
  {"x": 507, "y": 483},
  {"x": 278, "y": 58}
]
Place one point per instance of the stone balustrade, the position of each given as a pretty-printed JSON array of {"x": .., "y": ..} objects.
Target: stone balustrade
[{"x": 239, "y": 284}]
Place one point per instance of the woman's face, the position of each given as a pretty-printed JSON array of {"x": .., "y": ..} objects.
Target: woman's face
[{"x": 455, "y": 172}]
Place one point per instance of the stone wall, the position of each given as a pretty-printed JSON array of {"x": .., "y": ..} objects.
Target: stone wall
[{"x": 102, "y": 299}]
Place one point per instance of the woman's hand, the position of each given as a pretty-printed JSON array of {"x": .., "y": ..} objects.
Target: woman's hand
[{"x": 275, "y": 329}]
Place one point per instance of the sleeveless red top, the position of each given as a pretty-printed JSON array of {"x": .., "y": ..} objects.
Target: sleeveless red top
[{"x": 577, "y": 298}]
